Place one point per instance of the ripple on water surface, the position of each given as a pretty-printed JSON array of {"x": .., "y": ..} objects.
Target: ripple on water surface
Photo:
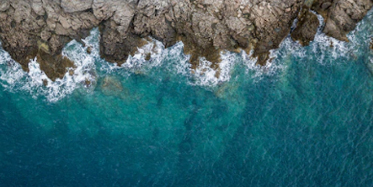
[{"x": 303, "y": 120}]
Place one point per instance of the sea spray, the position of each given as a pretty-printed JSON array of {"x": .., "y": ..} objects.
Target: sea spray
[
  {"x": 206, "y": 75},
  {"x": 38, "y": 84},
  {"x": 89, "y": 67},
  {"x": 153, "y": 49}
]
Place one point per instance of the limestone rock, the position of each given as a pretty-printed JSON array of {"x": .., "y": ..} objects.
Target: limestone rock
[
  {"x": 30, "y": 22},
  {"x": 76, "y": 5},
  {"x": 206, "y": 27},
  {"x": 37, "y": 6},
  {"x": 4, "y": 5}
]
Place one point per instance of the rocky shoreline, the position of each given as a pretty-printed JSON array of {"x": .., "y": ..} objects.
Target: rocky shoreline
[{"x": 41, "y": 28}]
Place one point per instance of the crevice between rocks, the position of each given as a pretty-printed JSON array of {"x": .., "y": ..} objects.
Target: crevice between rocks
[{"x": 205, "y": 28}]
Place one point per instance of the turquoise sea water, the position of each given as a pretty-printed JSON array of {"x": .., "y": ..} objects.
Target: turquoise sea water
[{"x": 304, "y": 120}]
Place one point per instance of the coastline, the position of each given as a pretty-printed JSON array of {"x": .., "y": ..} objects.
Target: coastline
[{"x": 41, "y": 29}]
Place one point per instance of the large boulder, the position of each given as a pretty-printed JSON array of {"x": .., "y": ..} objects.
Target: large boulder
[
  {"x": 344, "y": 15},
  {"x": 306, "y": 29}
]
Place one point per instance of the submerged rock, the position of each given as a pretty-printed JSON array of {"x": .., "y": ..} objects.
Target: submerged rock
[
  {"x": 58, "y": 68},
  {"x": 205, "y": 27}
]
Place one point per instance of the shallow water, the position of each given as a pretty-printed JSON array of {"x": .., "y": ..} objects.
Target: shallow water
[{"x": 304, "y": 120}]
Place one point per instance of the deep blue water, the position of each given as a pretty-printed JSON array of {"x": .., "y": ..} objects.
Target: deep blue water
[{"x": 306, "y": 120}]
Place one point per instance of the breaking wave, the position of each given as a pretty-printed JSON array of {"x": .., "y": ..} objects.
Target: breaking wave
[
  {"x": 154, "y": 57},
  {"x": 36, "y": 82}
]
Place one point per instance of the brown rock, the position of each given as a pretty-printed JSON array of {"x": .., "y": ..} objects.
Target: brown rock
[
  {"x": 41, "y": 28},
  {"x": 54, "y": 70},
  {"x": 196, "y": 51},
  {"x": 148, "y": 56},
  {"x": 322, "y": 7},
  {"x": 89, "y": 50},
  {"x": 26, "y": 33},
  {"x": 45, "y": 82},
  {"x": 344, "y": 15},
  {"x": 306, "y": 27},
  {"x": 117, "y": 48}
]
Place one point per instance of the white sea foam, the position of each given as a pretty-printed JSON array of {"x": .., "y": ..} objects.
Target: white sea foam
[
  {"x": 138, "y": 63},
  {"x": 206, "y": 75},
  {"x": 11, "y": 71},
  {"x": 14, "y": 78},
  {"x": 327, "y": 45},
  {"x": 276, "y": 62},
  {"x": 174, "y": 61},
  {"x": 252, "y": 66},
  {"x": 364, "y": 28},
  {"x": 324, "y": 49}
]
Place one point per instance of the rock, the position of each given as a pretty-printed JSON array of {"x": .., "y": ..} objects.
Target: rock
[
  {"x": 54, "y": 70},
  {"x": 325, "y": 5},
  {"x": 116, "y": 47},
  {"x": 45, "y": 82},
  {"x": 4, "y": 5},
  {"x": 270, "y": 32},
  {"x": 37, "y": 6},
  {"x": 71, "y": 6},
  {"x": 26, "y": 33},
  {"x": 111, "y": 84},
  {"x": 344, "y": 15},
  {"x": 89, "y": 50},
  {"x": 322, "y": 7},
  {"x": 306, "y": 27},
  {"x": 23, "y": 10},
  {"x": 148, "y": 56},
  {"x": 41, "y": 28},
  {"x": 371, "y": 45}
]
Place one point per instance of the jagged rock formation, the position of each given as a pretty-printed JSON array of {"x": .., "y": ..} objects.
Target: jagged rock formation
[
  {"x": 307, "y": 25},
  {"x": 41, "y": 28},
  {"x": 344, "y": 15}
]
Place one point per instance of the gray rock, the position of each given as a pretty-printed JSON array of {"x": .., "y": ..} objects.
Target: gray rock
[
  {"x": 76, "y": 5},
  {"x": 4, "y": 5},
  {"x": 37, "y": 6},
  {"x": 344, "y": 15},
  {"x": 205, "y": 26}
]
